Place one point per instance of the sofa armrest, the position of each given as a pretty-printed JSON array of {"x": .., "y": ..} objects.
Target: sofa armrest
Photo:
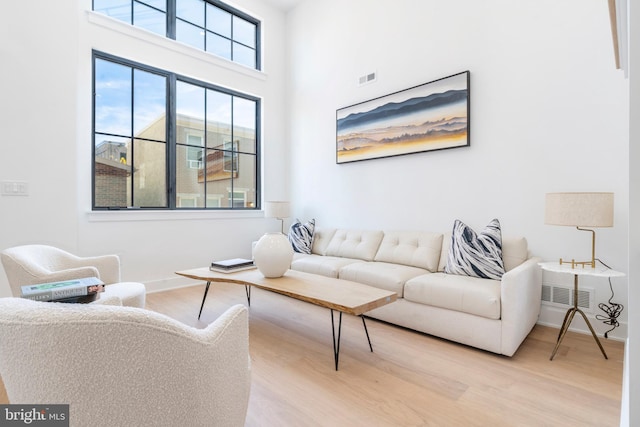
[
  {"x": 107, "y": 265},
  {"x": 521, "y": 297},
  {"x": 68, "y": 274}
]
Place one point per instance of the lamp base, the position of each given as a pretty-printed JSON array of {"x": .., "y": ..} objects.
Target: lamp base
[
  {"x": 575, "y": 263},
  {"x": 591, "y": 263}
]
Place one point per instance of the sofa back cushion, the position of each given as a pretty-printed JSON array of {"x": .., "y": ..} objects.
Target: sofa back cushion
[
  {"x": 413, "y": 248},
  {"x": 358, "y": 244},
  {"x": 321, "y": 239},
  {"x": 515, "y": 251}
]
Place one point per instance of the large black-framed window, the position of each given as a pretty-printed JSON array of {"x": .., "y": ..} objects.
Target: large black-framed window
[
  {"x": 165, "y": 141},
  {"x": 209, "y": 25}
]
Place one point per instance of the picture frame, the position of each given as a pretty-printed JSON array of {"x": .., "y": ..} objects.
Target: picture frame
[{"x": 428, "y": 117}]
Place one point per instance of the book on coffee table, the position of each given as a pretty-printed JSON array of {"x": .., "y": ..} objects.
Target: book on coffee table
[{"x": 232, "y": 265}]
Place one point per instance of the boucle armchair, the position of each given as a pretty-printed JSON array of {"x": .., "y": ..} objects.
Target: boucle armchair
[
  {"x": 34, "y": 264},
  {"x": 125, "y": 366}
]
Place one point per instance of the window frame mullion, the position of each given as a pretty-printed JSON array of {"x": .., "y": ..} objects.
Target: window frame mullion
[
  {"x": 133, "y": 139},
  {"x": 171, "y": 19},
  {"x": 171, "y": 141}
]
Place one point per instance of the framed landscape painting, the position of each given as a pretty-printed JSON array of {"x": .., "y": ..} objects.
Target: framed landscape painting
[{"x": 432, "y": 116}]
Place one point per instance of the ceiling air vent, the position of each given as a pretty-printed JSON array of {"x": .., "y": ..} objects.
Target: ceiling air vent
[{"x": 367, "y": 78}]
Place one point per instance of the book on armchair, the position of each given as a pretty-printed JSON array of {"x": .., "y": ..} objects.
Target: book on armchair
[{"x": 65, "y": 290}]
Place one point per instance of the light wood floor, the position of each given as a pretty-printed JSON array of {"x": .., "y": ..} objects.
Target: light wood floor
[{"x": 410, "y": 379}]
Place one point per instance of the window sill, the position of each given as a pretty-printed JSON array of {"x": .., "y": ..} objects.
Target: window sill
[
  {"x": 178, "y": 47},
  {"x": 172, "y": 215}
]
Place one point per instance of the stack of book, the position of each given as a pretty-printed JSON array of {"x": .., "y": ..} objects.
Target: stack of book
[
  {"x": 76, "y": 290},
  {"x": 232, "y": 265}
]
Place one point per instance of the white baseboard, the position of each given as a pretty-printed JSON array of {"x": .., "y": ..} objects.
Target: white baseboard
[{"x": 170, "y": 283}]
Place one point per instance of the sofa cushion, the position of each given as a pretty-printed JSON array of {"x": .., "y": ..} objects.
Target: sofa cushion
[
  {"x": 358, "y": 244},
  {"x": 480, "y": 297},
  {"x": 383, "y": 275},
  {"x": 515, "y": 251},
  {"x": 473, "y": 254},
  {"x": 321, "y": 239},
  {"x": 301, "y": 236},
  {"x": 320, "y": 264},
  {"x": 416, "y": 249}
]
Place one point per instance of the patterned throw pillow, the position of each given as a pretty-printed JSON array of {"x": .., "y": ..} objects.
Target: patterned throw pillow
[
  {"x": 301, "y": 236},
  {"x": 478, "y": 255}
]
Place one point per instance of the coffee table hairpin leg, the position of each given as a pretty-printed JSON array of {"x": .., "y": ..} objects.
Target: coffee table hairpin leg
[
  {"x": 336, "y": 342},
  {"x": 247, "y": 290}
]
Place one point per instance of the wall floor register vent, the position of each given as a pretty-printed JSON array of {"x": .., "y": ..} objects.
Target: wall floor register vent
[{"x": 562, "y": 296}]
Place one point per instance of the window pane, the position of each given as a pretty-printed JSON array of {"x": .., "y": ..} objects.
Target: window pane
[
  {"x": 118, "y": 9},
  {"x": 219, "y": 164},
  {"x": 227, "y": 170},
  {"x": 112, "y": 171},
  {"x": 189, "y": 177},
  {"x": 191, "y": 11},
  {"x": 245, "y": 179},
  {"x": 112, "y": 98},
  {"x": 217, "y": 194},
  {"x": 218, "y": 118},
  {"x": 149, "y": 19},
  {"x": 219, "y": 21},
  {"x": 190, "y": 34},
  {"x": 158, "y": 4},
  {"x": 189, "y": 111},
  {"x": 150, "y": 178},
  {"x": 244, "y": 55},
  {"x": 149, "y": 105},
  {"x": 244, "y": 124},
  {"x": 244, "y": 32},
  {"x": 218, "y": 45}
]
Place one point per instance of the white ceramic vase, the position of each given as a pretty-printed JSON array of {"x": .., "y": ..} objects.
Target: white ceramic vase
[{"x": 273, "y": 254}]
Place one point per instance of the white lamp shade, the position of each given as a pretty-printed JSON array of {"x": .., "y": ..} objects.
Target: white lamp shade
[
  {"x": 579, "y": 209},
  {"x": 276, "y": 210}
]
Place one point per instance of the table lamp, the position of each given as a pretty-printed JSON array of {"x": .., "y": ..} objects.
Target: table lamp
[
  {"x": 580, "y": 210},
  {"x": 279, "y": 210}
]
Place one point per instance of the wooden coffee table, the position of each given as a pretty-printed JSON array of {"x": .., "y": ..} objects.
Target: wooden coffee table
[{"x": 335, "y": 294}]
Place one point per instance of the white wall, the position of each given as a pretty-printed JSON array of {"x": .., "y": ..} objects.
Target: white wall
[
  {"x": 549, "y": 112},
  {"x": 46, "y": 120}
]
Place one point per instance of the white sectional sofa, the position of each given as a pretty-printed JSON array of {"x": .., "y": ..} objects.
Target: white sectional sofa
[{"x": 493, "y": 315}]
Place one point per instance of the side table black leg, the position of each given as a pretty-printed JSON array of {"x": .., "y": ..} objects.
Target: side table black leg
[
  {"x": 206, "y": 290},
  {"x": 336, "y": 342}
]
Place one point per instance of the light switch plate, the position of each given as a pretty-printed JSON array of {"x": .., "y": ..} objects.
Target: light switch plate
[{"x": 14, "y": 188}]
